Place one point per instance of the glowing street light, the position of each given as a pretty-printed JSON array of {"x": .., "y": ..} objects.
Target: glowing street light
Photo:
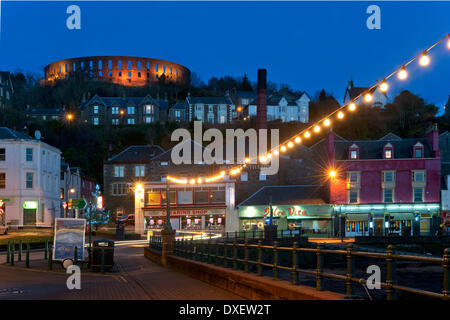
[
  {"x": 69, "y": 116},
  {"x": 332, "y": 173}
]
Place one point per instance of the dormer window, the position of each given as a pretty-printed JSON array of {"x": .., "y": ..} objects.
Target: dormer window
[
  {"x": 418, "y": 150},
  {"x": 388, "y": 151},
  {"x": 353, "y": 152}
]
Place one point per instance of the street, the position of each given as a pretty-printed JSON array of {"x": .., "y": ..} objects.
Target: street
[{"x": 136, "y": 278}]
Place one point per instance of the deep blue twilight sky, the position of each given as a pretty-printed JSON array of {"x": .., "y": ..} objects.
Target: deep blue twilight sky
[{"x": 308, "y": 45}]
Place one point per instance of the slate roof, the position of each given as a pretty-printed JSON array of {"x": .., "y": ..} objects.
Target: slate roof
[
  {"x": 179, "y": 105},
  {"x": 124, "y": 101},
  {"x": 373, "y": 149},
  {"x": 274, "y": 99},
  {"x": 136, "y": 154},
  {"x": 287, "y": 195},
  {"x": 8, "y": 134},
  {"x": 44, "y": 111},
  {"x": 209, "y": 100},
  {"x": 167, "y": 155}
]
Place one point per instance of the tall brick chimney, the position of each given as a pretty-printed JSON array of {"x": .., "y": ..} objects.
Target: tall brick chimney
[{"x": 261, "y": 100}]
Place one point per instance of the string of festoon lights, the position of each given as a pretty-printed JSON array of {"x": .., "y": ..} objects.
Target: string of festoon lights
[{"x": 315, "y": 128}]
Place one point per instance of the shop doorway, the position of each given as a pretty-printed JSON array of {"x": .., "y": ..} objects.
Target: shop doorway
[
  {"x": 29, "y": 217},
  {"x": 378, "y": 227}
]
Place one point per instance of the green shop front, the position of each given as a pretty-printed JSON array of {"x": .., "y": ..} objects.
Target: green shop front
[
  {"x": 312, "y": 220},
  {"x": 386, "y": 219}
]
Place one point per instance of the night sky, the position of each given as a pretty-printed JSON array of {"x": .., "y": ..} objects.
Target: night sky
[{"x": 307, "y": 45}]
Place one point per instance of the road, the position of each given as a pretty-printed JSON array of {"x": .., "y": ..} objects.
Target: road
[{"x": 135, "y": 278}]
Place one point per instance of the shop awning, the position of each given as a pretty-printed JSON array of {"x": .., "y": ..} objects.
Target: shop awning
[
  {"x": 402, "y": 216},
  {"x": 357, "y": 216}
]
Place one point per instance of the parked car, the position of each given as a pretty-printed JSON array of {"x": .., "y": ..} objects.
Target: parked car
[{"x": 127, "y": 219}]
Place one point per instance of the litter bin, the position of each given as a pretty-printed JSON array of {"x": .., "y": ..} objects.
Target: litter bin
[{"x": 107, "y": 247}]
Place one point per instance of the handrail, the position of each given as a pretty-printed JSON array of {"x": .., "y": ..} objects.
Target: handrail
[{"x": 237, "y": 256}]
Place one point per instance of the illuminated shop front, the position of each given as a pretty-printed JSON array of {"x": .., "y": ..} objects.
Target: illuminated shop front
[
  {"x": 203, "y": 207},
  {"x": 312, "y": 220},
  {"x": 386, "y": 219}
]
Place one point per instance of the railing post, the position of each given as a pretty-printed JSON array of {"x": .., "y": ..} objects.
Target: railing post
[
  {"x": 102, "y": 263},
  {"x": 294, "y": 263},
  {"x": 245, "y": 256},
  {"x": 195, "y": 251},
  {"x": 46, "y": 250},
  {"x": 75, "y": 255},
  {"x": 224, "y": 254},
  {"x": 446, "y": 265},
  {"x": 191, "y": 248},
  {"x": 50, "y": 259},
  {"x": 234, "y": 255},
  {"x": 19, "y": 258},
  {"x": 350, "y": 272},
  {"x": 27, "y": 256},
  {"x": 12, "y": 253},
  {"x": 275, "y": 260},
  {"x": 209, "y": 250},
  {"x": 216, "y": 244},
  {"x": 319, "y": 269},
  {"x": 259, "y": 259},
  {"x": 390, "y": 276},
  {"x": 8, "y": 252}
]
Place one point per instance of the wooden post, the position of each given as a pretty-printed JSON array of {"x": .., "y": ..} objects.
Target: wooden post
[
  {"x": 350, "y": 272},
  {"x": 319, "y": 269}
]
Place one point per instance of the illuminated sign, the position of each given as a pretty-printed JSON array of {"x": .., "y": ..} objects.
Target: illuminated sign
[
  {"x": 30, "y": 205},
  {"x": 289, "y": 211},
  {"x": 99, "y": 202}
]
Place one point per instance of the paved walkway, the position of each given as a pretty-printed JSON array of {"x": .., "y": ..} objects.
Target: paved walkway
[{"x": 136, "y": 278}]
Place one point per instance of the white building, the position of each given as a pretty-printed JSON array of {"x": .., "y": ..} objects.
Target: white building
[
  {"x": 70, "y": 187},
  {"x": 284, "y": 108},
  {"x": 379, "y": 98},
  {"x": 29, "y": 180}
]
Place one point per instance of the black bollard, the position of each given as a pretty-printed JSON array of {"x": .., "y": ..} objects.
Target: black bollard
[
  {"x": 8, "y": 252},
  {"x": 50, "y": 259},
  {"x": 45, "y": 250},
  {"x": 12, "y": 253}
]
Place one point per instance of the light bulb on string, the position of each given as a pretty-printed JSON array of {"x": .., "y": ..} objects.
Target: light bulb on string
[
  {"x": 384, "y": 86},
  {"x": 352, "y": 106},
  {"x": 425, "y": 59},
  {"x": 316, "y": 129},
  {"x": 327, "y": 122},
  {"x": 402, "y": 74},
  {"x": 368, "y": 97},
  {"x": 307, "y": 134},
  {"x": 290, "y": 144},
  {"x": 269, "y": 156},
  {"x": 262, "y": 159},
  {"x": 448, "y": 42},
  {"x": 340, "y": 115},
  {"x": 298, "y": 139},
  {"x": 283, "y": 148}
]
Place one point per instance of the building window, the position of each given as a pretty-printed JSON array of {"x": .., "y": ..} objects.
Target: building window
[
  {"x": 120, "y": 73},
  {"x": 353, "y": 177},
  {"x": 129, "y": 65},
  {"x": 388, "y": 153},
  {"x": 119, "y": 189},
  {"x": 119, "y": 171},
  {"x": 388, "y": 195},
  {"x": 130, "y": 110},
  {"x": 115, "y": 110},
  {"x": 95, "y": 121},
  {"x": 418, "y": 194},
  {"x": 115, "y": 121},
  {"x": 418, "y": 176},
  {"x": 130, "y": 121},
  {"x": 244, "y": 176},
  {"x": 149, "y": 108},
  {"x": 95, "y": 109},
  {"x": 354, "y": 154},
  {"x": 29, "y": 180},
  {"x": 148, "y": 119},
  {"x": 29, "y": 154},
  {"x": 2, "y": 154},
  {"x": 388, "y": 176},
  {"x": 262, "y": 176},
  {"x": 177, "y": 113},
  {"x": 129, "y": 74},
  {"x": 156, "y": 67},
  {"x": 139, "y": 171},
  {"x": 418, "y": 153},
  {"x": 2, "y": 180},
  {"x": 353, "y": 195}
]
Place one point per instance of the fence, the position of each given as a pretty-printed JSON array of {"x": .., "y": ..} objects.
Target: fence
[{"x": 226, "y": 254}]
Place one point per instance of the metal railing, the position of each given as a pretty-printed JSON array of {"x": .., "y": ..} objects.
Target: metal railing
[{"x": 225, "y": 254}]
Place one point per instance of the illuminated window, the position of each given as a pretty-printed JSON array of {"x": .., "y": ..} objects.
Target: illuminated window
[
  {"x": 110, "y": 64},
  {"x": 139, "y": 65},
  {"x": 110, "y": 73},
  {"x": 119, "y": 171},
  {"x": 129, "y": 74},
  {"x": 131, "y": 121},
  {"x": 148, "y": 65},
  {"x": 262, "y": 176},
  {"x": 139, "y": 170},
  {"x": 95, "y": 109},
  {"x": 129, "y": 65},
  {"x": 2, "y": 180},
  {"x": 100, "y": 64},
  {"x": 388, "y": 176},
  {"x": 100, "y": 74},
  {"x": 115, "y": 121},
  {"x": 418, "y": 176},
  {"x": 244, "y": 176},
  {"x": 74, "y": 66},
  {"x": 95, "y": 121},
  {"x": 164, "y": 68},
  {"x": 354, "y": 154},
  {"x": 119, "y": 64},
  {"x": 156, "y": 67},
  {"x": 91, "y": 64},
  {"x": 418, "y": 153},
  {"x": 66, "y": 68},
  {"x": 115, "y": 110},
  {"x": 388, "y": 154},
  {"x": 170, "y": 70},
  {"x": 353, "y": 177},
  {"x": 148, "y": 119},
  {"x": 130, "y": 110}
]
